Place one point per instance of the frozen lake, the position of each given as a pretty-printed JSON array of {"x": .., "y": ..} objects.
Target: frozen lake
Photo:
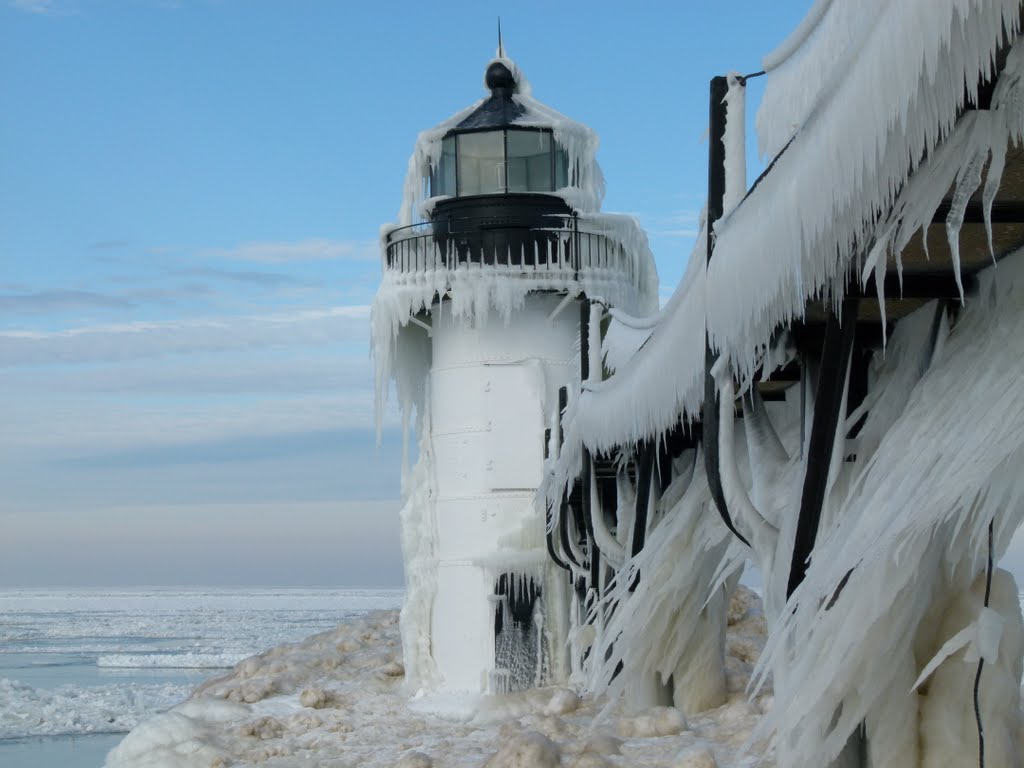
[{"x": 80, "y": 667}]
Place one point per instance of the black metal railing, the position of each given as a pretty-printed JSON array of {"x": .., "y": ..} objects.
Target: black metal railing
[{"x": 560, "y": 245}]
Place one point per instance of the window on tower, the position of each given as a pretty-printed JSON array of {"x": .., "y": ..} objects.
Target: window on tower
[
  {"x": 481, "y": 163},
  {"x": 561, "y": 168},
  {"x": 529, "y": 161},
  {"x": 497, "y": 162},
  {"x": 442, "y": 179}
]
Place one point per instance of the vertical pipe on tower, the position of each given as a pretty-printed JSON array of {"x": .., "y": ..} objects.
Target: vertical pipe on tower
[{"x": 587, "y": 468}]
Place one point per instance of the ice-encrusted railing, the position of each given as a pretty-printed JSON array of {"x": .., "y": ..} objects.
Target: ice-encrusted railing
[{"x": 565, "y": 247}]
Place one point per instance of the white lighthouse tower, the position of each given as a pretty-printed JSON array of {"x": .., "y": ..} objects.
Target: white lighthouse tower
[{"x": 499, "y": 248}]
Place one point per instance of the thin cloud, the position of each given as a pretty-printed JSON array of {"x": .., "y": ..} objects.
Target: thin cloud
[
  {"x": 127, "y": 341},
  {"x": 42, "y": 7},
  {"x": 684, "y": 223},
  {"x": 249, "y": 447},
  {"x": 60, "y": 300},
  {"x": 76, "y": 428},
  {"x": 256, "y": 374},
  {"x": 314, "y": 249},
  {"x": 247, "y": 277}
]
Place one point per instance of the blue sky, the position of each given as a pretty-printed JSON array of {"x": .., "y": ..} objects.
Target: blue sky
[{"x": 191, "y": 193}]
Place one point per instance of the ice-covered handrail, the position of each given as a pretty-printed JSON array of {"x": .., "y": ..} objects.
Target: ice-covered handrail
[{"x": 798, "y": 36}]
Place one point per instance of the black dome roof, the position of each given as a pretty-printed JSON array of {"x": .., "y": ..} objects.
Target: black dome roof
[{"x": 498, "y": 111}]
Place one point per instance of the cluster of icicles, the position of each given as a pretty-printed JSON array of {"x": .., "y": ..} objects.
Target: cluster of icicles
[{"x": 874, "y": 657}]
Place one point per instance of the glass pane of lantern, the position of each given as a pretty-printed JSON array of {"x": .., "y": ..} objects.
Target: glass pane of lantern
[
  {"x": 561, "y": 168},
  {"x": 442, "y": 180},
  {"x": 529, "y": 161},
  {"x": 482, "y": 163}
]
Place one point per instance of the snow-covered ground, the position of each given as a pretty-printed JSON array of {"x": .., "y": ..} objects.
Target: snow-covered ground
[{"x": 339, "y": 699}]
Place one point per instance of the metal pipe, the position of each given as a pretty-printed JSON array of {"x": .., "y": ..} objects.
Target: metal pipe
[
  {"x": 716, "y": 199},
  {"x": 644, "y": 475},
  {"x": 587, "y": 468},
  {"x": 563, "y": 511},
  {"x": 644, "y": 478},
  {"x": 614, "y": 552},
  {"x": 549, "y": 535},
  {"x": 828, "y": 398},
  {"x": 549, "y": 528}
]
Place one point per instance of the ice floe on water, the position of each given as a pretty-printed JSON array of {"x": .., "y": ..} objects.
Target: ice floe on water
[
  {"x": 169, "y": 660},
  {"x": 26, "y": 710}
]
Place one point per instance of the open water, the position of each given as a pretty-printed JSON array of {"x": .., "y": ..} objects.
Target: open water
[{"x": 80, "y": 667}]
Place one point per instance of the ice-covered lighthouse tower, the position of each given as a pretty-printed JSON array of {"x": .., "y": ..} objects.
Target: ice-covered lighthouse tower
[{"x": 476, "y": 323}]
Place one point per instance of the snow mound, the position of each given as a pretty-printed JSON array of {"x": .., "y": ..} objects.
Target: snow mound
[
  {"x": 338, "y": 699},
  {"x": 698, "y": 757},
  {"x": 658, "y": 721},
  {"x": 528, "y": 750}
]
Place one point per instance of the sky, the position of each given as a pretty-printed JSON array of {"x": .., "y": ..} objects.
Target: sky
[{"x": 190, "y": 197}]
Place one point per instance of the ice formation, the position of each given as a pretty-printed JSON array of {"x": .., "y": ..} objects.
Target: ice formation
[
  {"x": 339, "y": 699},
  {"x": 873, "y": 657},
  {"x": 909, "y": 541},
  {"x": 884, "y": 82},
  {"x": 666, "y": 621}
]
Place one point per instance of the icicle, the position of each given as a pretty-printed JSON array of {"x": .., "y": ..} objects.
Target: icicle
[
  {"x": 880, "y": 289},
  {"x": 992, "y": 179},
  {"x": 876, "y": 264},
  {"x": 967, "y": 182}
]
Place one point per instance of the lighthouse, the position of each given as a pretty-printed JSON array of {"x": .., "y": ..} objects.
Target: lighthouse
[{"x": 499, "y": 252}]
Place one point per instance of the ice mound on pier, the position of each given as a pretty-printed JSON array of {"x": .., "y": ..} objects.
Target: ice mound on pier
[{"x": 340, "y": 699}]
